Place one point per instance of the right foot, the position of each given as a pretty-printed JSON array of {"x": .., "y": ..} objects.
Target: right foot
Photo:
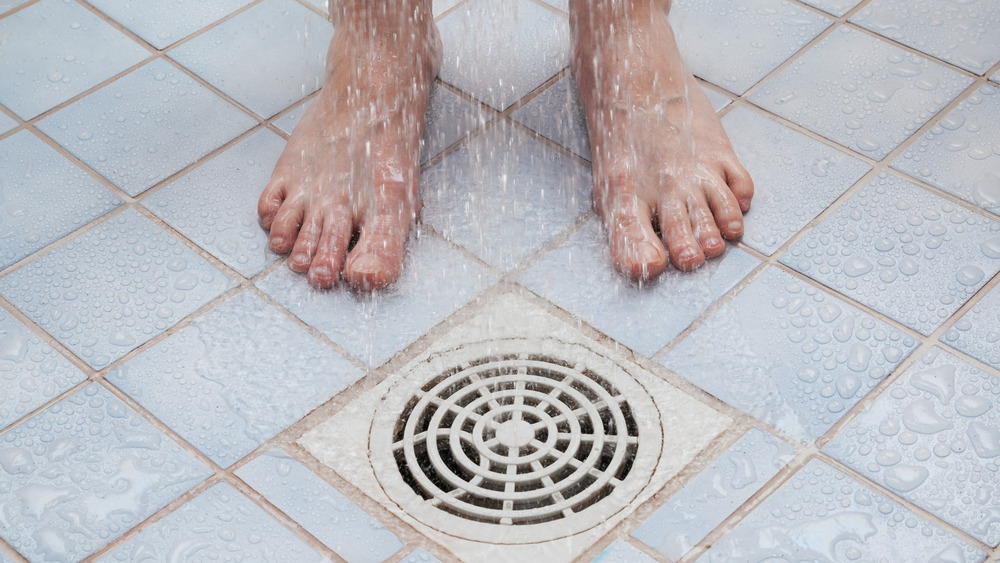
[{"x": 352, "y": 163}]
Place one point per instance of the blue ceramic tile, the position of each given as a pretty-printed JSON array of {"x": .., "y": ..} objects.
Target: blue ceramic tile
[
  {"x": 55, "y": 50},
  {"x": 860, "y": 91},
  {"x": 322, "y": 511},
  {"x": 559, "y": 4},
  {"x": 6, "y": 123},
  {"x": 438, "y": 7},
  {"x": 145, "y": 126},
  {"x": 622, "y": 552},
  {"x": 580, "y": 277},
  {"x": 835, "y": 7},
  {"x": 996, "y": 77},
  {"x": 420, "y": 556},
  {"x": 499, "y": 51},
  {"x": 288, "y": 121},
  {"x": 116, "y": 286},
  {"x": 83, "y": 472},
  {"x": 714, "y": 494},
  {"x": 323, "y": 5},
  {"x": 961, "y": 154},
  {"x": 163, "y": 23},
  {"x": 6, "y": 5},
  {"x": 966, "y": 34},
  {"x": 821, "y": 514},
  {"x": 31, "y": 371},
  {"x": 504, "y": 195},
  {"x": 436, "y": 280},
  {"x": 795, "y": 177},
  {"x": 286, "y": 42},
  {"x": 42, "y": 197},
  {"x": 449, "y": 118},
  {"x": 215, "y": 205},
  {"x": 932, "y": 438},
  {"x": 218, "y": 525},
  {"x": 556, "y": 113},
  {"x": 718, "y": 101},
  {"x": 798, "y": 358},
  {"x": 734, "y": 45},
  {"x": 3, "y": 558},
  {"x": 902, "y": 251},
  {"x": 978, "y": 332}
]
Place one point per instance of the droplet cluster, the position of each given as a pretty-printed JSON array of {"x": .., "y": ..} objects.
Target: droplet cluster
[
  {"x": 978, "y": 332},
  {"x": 557, "y": 114}
]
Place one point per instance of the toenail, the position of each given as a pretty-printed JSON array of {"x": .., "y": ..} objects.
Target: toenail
[
  {"x": 323, "y": 270},
  {"x": 713, "y": 241},
  {"x": 365, "y": 264},
  {"x": 277, "y": 242},
  {"x": 736, "y": 226}
]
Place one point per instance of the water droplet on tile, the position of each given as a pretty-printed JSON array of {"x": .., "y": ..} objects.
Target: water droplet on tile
[
  {"x": 991, "y": 247},
  {"x": 16, "y": 460},
  {"x": 985, "y": 440},
  {"x": 868, "y": 143},
  {"x": 908, "y": 266},
  {"x": 186, "y": 281},
  {"x": 859, "y": 357},
  {"x": 905, "y": 478},
  {"x": 13, "y": 346},
  {"x": 986, "y": 191},
  {"x": 920, "y": 416},
  {"x": 888, "y": 458},
  {"x": 938, "y": 381},
  {"x": 857, "y": 266},
  {"x": 121, "y": 338},
  {"x": 970, "y": 275}
]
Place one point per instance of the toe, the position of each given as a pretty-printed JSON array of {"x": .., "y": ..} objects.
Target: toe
[
  {"x": 378, "y": 257},
  {"x": 740, "y": 184},
  {"x": 635, "y": 249},
  {"x": 705, "y": 231},
  {"x": 269, "y": 203},
  {"x": 675, "y": 225},
  {"x": 726, "y": 208},
  {"x": 306, "y": 242},
  {"x": 329, "y": 257},
  {"x": 285, "y": 227}
]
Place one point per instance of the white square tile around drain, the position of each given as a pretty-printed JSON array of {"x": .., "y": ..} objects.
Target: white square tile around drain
[
  {"x": 517, "y": 386},
  {"x": 164, "y": 23},
  {"x": 977, "y": 333}
]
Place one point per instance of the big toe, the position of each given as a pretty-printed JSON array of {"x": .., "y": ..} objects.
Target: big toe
[
  {"x": 635, "y": 249},
  {"x": 377, "y": 258}
]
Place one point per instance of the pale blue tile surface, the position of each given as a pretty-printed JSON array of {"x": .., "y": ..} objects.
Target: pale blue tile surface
[
  {"x": 43, "y": 197},
  {"x": 932, "y": 437},
  {"x": 821, "y": 514},
  {"x": 3, "y": 558},
  {"x": 996, "y": 77},
  {"x": 795, "y": 177},
  {"x": 449, "y": 118},
  {"x": 6, "y": 123},
  {"x": 325, "y": 513},
  {"x": 797, "y": 358},
  {"x": 286, "y": 42},
  {"x": 6, "y": 5},
  {"x": 622, "y": 552},
  {"x": 556, "y": 113},
  {"x": 113, "y": 288},
  {"x": 220, "y": 524},
  {"x": 288, "y": 121},
  {"x": 55, "y": 50},
  {"x": 420, "y": 555},
  {"x": 225, "y": 398},
  {"x": 560, "y": 4},
  {"x": 977, "y": 333},
  {"x": 504, "y": 195},
  {"x": 902, "y": 251},
  {"x": 961, "y": 153},
  {"x": 145, "y": 126},
  {"x": 436, "y": 280},
  {"x": 215, "y": 205},
  {"x": 860, "y": 91},
  {"x": 835, "y": 7},
  {"x": 718, "y": 101},
  {"x": 164, "y": 23},
  {"x": 83, "y": 472},
  {"x": 580, "y": 277}
]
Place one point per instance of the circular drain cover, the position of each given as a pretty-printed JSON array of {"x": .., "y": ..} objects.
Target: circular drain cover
[{"x": 515, "y": 441}]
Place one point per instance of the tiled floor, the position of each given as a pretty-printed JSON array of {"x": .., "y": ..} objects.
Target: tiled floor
[{"x": 159, "y": 366}]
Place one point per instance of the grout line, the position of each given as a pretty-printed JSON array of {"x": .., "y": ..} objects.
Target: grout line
[{"x": 16, "y": 9}]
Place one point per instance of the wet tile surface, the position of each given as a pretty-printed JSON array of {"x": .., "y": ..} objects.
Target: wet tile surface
[
  {"x": 622, "y": 552},
  {"x": 420, "y": 555},
  {"x": 6, "y": 123},
  {"x": 556, "y": 113},
  {"x": 902, "y": 251},
  {"x": 834, "y": 7},
  {"x": 449, "y": 119},
  {"x": 162, "y": 24},
  {"x": 288, "y": 121},
  {"x": 977, "y": 333}
]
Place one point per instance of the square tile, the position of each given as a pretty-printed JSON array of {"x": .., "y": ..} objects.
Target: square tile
[
  {"x": 966, "y": 34},
  {"x": 220, "y": 524},
  {"x": 557, "y": 114},
  {"x": 622, "y": 552},
  {"x": 113, "y": 288},
  {"x": 795, "y": 177},
  {"x": 319, "y": 508},
  {"x": 902, "y": 251},
  {"x": 835, "y": 7},
  {"x": 798, "y": 358},
  {"x": 932, "y": 438},
  {"x": 580, "y": 277},
  {"x": 161, "y": 23},
  {"x": 504, "y": 195},
  {"x": 449, "y": 118},
  {"x": 714, "y": 494},
  {"x": 977, "y": 333},
  {"x": 499, "y": 51},
  {"x": 286, "y": 42},
  {"x": 435, "y": 282},
  {"x": 47, "y": 197},
  {"x": 821, "y": 514},
  {"x": 224, "y": 397},
  {"x": 734, "y": 45},
  {"x": 31, "y": 371},
  {"x": 145, "y": 126},
  {"x": 215, "y": 205},
  {"x": 55, "y": 50},
  {"x": 861, "y": 92},
  {"x": 83, "y": 472},
  {"x": 961, "y": 154}
]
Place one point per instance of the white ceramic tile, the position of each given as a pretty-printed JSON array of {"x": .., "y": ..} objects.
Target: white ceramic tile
[
  {"x": 6, "y": 123},
  {"x": 734, "y": 45},
  {"x": 449, "y": 118},
  {"x": 215, "y": 205},
  {"x": 622, "y": 552},
  {"x": 83, "y": 472},
  {"x": 580, "y": 277},
  {"x": 500, "y": 51},
  {"x": 932, "y": 438},
  {"x": 718, "y": 101},
  {"x": 966, "y": 34},
  {"x": 288, "y": 121},
  {"x": 43, "y": 197},
  {"x": 163, "y": 23},
  {"x": 225, "y": 399},
  {"x": 116, "y": 286},
  {"x": 977, "y": 333},
  {"x": 795, "y": 177},
  {"x": 902, "y": 251},
  {"x": 55, "y": 50},
  {"x": 821, "y": 514},
  {"x": 714, "y": 494},
  {"x": 420, "y": 555},
  {"x": 860, "y": 91},
  {"x": 436, "y": 280},
  {"x": 961, "y": 153},
  {"x": 145, "y": 126},
  {"x": 557, "y": 114},
  {"x": 835, "y": 7},
  {"x": 286, "y": 42},
  {"x": 320, "y": 509},
  {"x": 504, "y": 195}
]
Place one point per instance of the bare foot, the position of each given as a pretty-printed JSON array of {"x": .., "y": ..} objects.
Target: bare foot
[
  {"x": 660, "y": 154},
  {"x": 352, "y": 163}
]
